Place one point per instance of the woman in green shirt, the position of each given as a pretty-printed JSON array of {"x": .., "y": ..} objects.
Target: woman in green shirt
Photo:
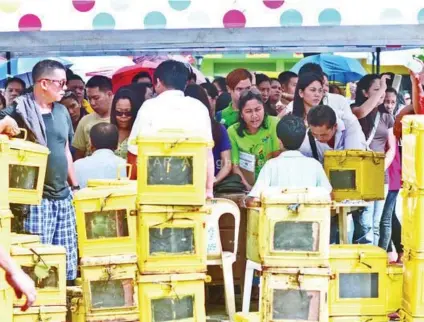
[{"x": 254, "y": 138}]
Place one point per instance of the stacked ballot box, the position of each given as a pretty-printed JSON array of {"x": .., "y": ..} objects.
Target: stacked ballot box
[
  {"x": 143, "y": 243},
  {"x": 289, "y": 237},
  {"x": 361, "y": 283},
  {"x": 412, "y": 217}
]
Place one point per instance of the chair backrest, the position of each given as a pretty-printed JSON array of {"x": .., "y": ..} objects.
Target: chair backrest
[{"x": 220, "y": 207}]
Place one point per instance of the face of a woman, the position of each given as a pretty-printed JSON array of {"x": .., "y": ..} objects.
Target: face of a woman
[
  {"x": 375, "y": 87},
  {"x": 253, "y": 114},
  {"x": 123, "y": 113},
  {"x": 275, "y": 92},
  {"x": 390, "y": 102},
  {"x": 265, "y": 89},
  {"x": 74, "y": 109},
  {"x": 312, "y": 94}
]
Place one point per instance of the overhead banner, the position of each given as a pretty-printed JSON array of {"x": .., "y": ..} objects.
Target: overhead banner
[{"x": 67, "y": 15}]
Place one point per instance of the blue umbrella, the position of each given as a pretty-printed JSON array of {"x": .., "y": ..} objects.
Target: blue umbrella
[
  {"x": 338, "y": 68},
  {"x": 22, "y": 68}
]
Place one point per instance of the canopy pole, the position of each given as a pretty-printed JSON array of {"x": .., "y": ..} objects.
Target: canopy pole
[
  {"x": 9, "y": 63},
  {"x": 373, "y": 63},
  {"x": 378, "y": 59}
]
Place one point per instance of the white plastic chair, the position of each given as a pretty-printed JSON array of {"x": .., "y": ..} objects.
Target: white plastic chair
[
  {"x": 248, "y": 280},
  {"x": 216, "y": 256}
]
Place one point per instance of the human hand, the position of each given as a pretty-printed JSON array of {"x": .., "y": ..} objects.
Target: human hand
[
  {"x": 383, "y": 82},
  {"x": 22, "y": 285},
  {"x": 10, "y": 126},
  {"x": 209, "y": 194}
]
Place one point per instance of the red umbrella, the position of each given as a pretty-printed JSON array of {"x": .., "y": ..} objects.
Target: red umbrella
[{"x": 124, "y": 75}]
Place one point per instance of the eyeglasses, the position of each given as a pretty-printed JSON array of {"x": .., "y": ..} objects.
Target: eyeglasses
[
  {"x": 68, "y": 94},
  {"x": 123, "y": 114},
  {"x": 61, "y": 83},
  {"x": 252, "y": 90}
]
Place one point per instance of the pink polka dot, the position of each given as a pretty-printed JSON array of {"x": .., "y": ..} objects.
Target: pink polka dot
[
  {"x": 273, "y": 4},
  {"x": 83, "y": 5},
  {"x": 234, "y": 19},
  {"x": 30, "y": 22}
]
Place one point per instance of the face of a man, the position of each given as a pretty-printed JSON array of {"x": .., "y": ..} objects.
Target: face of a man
[
  {"x": 78, "y": 87},
  {"x": 322, "y": 133},
  {"x": 54, "y": 85},
  {"x": 13, "y": 90},
  {"x": 100, "y": 101}
]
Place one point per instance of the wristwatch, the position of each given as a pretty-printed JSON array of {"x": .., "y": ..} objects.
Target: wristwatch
[{"x": 73, "y": 188}]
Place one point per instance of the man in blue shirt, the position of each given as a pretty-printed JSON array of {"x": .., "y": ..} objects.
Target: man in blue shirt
[{"x": 103, "y": 163}]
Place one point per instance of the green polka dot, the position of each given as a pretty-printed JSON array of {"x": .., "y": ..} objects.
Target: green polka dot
[
  {"x": 421, "y": 16},
  {"x": 330, "y": 17},
  {"x": 179, "y": 5},
  {"x": 155, "y": 20},
  {"x": 103, "y": 20},
  {"x": 291, "y": 18}
]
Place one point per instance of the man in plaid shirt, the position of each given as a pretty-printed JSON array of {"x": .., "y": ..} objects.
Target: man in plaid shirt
[{"x": 48, "y": 123}]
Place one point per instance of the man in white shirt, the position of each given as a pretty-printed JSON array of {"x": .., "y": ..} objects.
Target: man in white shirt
[
  {"x": 171, "y": 110},
  {"x": 103, "y": 163},
  {"x": 327, "y": 132},
  {"x": 290, "y": 169}
]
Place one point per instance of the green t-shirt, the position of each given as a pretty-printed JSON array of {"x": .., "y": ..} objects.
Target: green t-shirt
[
  {"x": 261, "y": 145},
  {"x": 229, "y": 116}
]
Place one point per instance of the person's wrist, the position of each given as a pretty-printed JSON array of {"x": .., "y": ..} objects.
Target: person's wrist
[{"x": 75, "y": 187}]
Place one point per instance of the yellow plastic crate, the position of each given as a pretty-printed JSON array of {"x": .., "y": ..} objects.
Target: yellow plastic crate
[
  {"x": 178, "y": 297},
  {"x": 5, "y": 229},
  {"x": 292, "y": 294},
  {"x": 291, "y": 229},
  {"x": 4, "y": 171},
  {"x": 110, "y": 285},
  {"x": 247, "y": 317},
  {"x": 359, "y": 284},
  {"x": 394, "y": 293},
  {"x": 106, "y": 220},
  {"x": 27, "y": 170},
  {"x": 40, "y": 314},
  {"x": 412, "y": 219},
  {"x": 77, "y": 310},
  {"x": 406, "y": 317},
  {"x": 171, "y": 239},
  {"x": 413, "y": 283},
  {"x": 51, "y": 261},
  {"x": 25, "y": 240},
  {"x": 6, "y": 304},
  {"x": 413, "y": 150},
  {"x": 382, "y": 318},
  {"x": 355, "y": 175},
  {"x": 171, "y": 169},
  {"x": 93, "y": 183}
]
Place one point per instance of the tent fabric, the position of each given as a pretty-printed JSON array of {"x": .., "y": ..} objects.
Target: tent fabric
[{"x": 21, "y": 15}]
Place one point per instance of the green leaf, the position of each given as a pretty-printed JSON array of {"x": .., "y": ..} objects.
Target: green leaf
[{"x": 41, "y": 270}]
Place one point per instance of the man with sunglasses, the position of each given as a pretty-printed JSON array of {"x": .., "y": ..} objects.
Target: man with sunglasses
[{"x": 48, "y": 123}]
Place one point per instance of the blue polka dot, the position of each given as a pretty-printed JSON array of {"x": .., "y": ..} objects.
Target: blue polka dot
[
  {"x": 179, "y": 5},
  {"x": 291, "y": 18},
  {"x": 155, "y": 20},
  {"x": 421, "y": 16},
  {"x": 330, "y": 17},
  {"x": 103, "y": 20}
]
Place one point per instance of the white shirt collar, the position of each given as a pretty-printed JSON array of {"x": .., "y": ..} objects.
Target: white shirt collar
[{"x": 171, "y": 93}]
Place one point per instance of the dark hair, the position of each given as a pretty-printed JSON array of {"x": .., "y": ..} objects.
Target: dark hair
[
  {"x": 69, "y": 94},
  {"x": 285, "y": 77},
  {"x": 192, "y": 75},
  {"x": 197, "y": 92},
  {"x": 135, "y": 93},
  {"x": 311, "y": 68},
  {"x": 335, "y": 89},
  {"x": 222, "y": 83},
  {"x": 104, "y": 136},
  {"x": 392, "y": 90},
  {"x": 141, "y": 75},
  {"x": 210, "y": 89},
  {"x": 2, "y": 100},
  {"x": 364, "y": 84},
  {"x": 260, "y": 78},
  {"x": 45, "y": 66},
  {"x": 69, "y": 73},
  {"x": 102, "y": 82},
  {"x": 304, "y": 81},
  {"x": 173, "y": 74},
  {"x": 322, "y": 115},
  {"x": 222, "y": 101},
  {"x": 291, "y": 131},
  {"x": 75, "y": 77},
  {"x": 15, "y": 80},
  {"x": 389, "y": 81},
  {"x": 246, "y": 96}
]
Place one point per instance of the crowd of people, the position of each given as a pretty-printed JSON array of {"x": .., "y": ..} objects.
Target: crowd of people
[{"x": 266, "y": 132}]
